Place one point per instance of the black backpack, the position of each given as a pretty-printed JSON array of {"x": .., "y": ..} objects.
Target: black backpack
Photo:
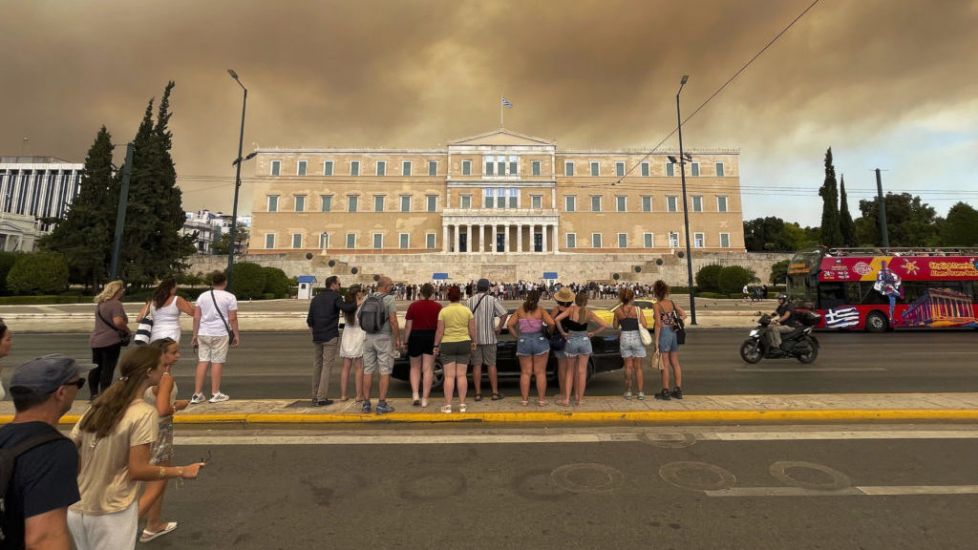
[
  {"x": 8, "y": 462},
  {"x": 372, "y": 315}
]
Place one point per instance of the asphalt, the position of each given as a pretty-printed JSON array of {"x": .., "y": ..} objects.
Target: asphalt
[{"x": 793, "y": 487}]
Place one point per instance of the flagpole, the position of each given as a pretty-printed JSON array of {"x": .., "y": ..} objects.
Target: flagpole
[{"x": 501, "y": 111}]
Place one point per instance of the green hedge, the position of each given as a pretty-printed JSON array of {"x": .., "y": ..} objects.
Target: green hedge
[
  {"x": 44, "y": 300},
  {"x": 708, "y": 278},
  {"x": 277, "y": 284},
  {"x": 248, "y": 281},
  {"x": 39, "y": 272},
  {"x": 733, "y": 278}
]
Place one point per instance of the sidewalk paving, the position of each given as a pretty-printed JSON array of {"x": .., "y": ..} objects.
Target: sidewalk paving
[{"x": 695, "y": 408}]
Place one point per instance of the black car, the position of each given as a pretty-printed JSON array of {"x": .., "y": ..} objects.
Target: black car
[{"x": 605, "y": 357}]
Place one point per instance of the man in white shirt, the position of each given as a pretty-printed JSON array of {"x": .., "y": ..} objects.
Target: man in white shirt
[{"x": 215, "y": 328}]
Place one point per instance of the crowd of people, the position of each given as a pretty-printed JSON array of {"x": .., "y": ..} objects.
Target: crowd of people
[{"x": 518, "y": 290}]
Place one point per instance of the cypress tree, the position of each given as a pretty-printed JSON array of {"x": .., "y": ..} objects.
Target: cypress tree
[
  {"x": 846, "y": 225},
  {"x": 831, "y": 234}
]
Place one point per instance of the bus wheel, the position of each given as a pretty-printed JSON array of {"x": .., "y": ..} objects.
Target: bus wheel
[{"x": 876, "y": 322}]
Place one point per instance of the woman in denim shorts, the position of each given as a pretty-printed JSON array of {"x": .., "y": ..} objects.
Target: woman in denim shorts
[
  {"x": 573, "y": 323},
  {"x": 532, "y": 346},
  {"x": 665, "y": 340},
  {"x": 565, "y": 300},
  {"x": 627, "y": 318}
]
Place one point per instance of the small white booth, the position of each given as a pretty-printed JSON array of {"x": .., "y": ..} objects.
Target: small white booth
[{"x": 306, "y": 282}]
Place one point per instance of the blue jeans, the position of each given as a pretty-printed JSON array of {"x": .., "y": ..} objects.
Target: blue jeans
[
  {"x": 578, "y": 343},
  {"x": 534, "y": 343}
]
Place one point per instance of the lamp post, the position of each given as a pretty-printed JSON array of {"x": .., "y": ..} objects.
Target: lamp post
[
  {"x": 682, "y": 171},
  {"x": 120, "y": 215},
  {"x": 237, "y": 178}
]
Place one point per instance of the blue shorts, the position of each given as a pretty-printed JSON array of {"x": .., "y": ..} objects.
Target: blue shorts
[
  {"x": 532, "y": 344},
  {"x": 578, "y": 343},
  {"x": 668, "y": 343},
  {"x": 630, "y": 344}
]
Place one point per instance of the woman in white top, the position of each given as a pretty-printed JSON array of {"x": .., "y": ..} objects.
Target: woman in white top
[
  {"x": 351, "y": 346},
  {"x": 165, "y": 309}
]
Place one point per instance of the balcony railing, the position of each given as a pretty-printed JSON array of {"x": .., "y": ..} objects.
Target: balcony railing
[{"x": 510, "y": 212}]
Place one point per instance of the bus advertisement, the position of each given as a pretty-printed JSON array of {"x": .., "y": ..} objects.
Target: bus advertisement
[{"x": 884, "y": 289}]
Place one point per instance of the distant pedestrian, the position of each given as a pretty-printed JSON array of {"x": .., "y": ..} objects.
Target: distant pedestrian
[
  {"x": 627, "y": 318},
  {"x": 565, "y": 300},
  {"x": 532, "y": 346},
  {"x": 351, "y": 345},
  {"x": 44, "y": 479},
  {"x": 111, "y": 331},
  {"x": 114, "y": 439},
  {"x": 573, "y": 323},
  {"x": 215, "y": 329},
  {"x": 746, "y": 291},
  {"x": 378, "y": 318},
  {"x": 324, "y": 322},
  {"x": 6, "y": 340},
  {"x": 455, "y": 340},
  {"x": 420, "y": 324},
  {"x": 164, "y": 308},
  {"x": 667, "y": 345},
  {"x": 486, "y": 308}
]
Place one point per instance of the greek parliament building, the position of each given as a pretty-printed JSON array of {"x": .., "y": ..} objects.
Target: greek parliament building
[
  {"x": 499, "y": 203},
  {"x": 31, "y": 189}
]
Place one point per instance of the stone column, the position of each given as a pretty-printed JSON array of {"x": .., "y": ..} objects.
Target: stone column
[
  {"x": 444, "y": 238},
  {"x": 547, "y": 243},
  {"x": 456, "y": 238},
  {"x": 519, "y": 238},
  {"x": 556, "y": 238},
  {"x": 506, "y": 248}
]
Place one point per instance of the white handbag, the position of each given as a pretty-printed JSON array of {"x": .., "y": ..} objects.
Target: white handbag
[{"x": 643, "y": 332}]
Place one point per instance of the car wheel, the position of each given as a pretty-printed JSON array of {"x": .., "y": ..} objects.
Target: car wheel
[
  {"x": 590, "y": 370},
  {"x": 876, "y": 322},
  {"x": 437, "y": 374},
  {"x": 750, "y": 351}
]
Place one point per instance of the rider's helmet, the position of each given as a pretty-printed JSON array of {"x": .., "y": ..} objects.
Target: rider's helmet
[{"x": 782, "y": 297}]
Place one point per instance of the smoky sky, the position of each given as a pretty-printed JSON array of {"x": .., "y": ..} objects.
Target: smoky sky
[{"x": 589, "y": 74}]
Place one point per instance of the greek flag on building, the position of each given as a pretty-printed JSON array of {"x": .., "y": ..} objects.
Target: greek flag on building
[
  {"x": 841, "y": 318},
  {"x": 506, "y": 103}
]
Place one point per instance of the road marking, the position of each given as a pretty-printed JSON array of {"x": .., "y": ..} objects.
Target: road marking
[
  {"x": 838, "y": 434},
  {"x": 884, "y": 490},
  {"x": 811, "y": 369},
  {"x": 900, "y": 490}
]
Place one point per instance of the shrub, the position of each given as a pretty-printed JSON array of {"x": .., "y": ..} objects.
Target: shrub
[
  {"x": 733, "y": 278},
  {"x": 276, "y": 282},
  {"x": 248, "y": 280},
  {"x": 707, "y": 278},
  {"x": 779, "y": 272},
  {"x": 7, "y": 260},
  {"x": 38, "y": 273}
]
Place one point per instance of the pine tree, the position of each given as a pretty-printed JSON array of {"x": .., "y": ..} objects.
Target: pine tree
[
  {"x": 846, "y": 225},
  {"x": 831, "y": 234}
]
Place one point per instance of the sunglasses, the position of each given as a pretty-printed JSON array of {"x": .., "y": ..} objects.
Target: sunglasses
[{"x": 80, "y": 383}]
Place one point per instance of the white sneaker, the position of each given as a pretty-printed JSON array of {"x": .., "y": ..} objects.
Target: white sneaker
[
  {"x": 197, "y": 399},
  {"x": 219, "y": 397}
]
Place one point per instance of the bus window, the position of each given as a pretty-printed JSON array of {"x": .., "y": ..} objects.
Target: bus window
[
  {"x": 852, "y": 294},
  {"x": 869, "y": 295},
  {"x": 831, "y": 295}
]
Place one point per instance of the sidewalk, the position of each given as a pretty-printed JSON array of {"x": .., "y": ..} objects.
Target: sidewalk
[{"x": 695, "y": 408}]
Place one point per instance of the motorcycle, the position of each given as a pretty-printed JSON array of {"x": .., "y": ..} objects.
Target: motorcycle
[{"x": 799, "y": 344}]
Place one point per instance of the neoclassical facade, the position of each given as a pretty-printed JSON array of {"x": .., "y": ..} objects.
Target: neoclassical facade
[
  {"x": 496, "y": 193},
  {"x": 32, "y": 190}
]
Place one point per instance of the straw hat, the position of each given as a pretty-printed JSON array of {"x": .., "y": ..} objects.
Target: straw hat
[{"x": 565, "y": 294}]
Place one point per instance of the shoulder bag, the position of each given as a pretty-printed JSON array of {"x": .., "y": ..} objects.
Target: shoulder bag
[
  {"x": 144, "y": 327},
  {"x": 643, "y": 332},
  {"x": 557, "y": 340},
  {"x": 227, "y": 327},
  {"x": 124, "y": 338},
  {"x": 678, "y": 326}
]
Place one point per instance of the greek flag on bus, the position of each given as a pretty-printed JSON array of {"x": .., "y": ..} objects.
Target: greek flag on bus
[
  {"x": 841, "y": 318},
  {"x": 506, "y": 103}
]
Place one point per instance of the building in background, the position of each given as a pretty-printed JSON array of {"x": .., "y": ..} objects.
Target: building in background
[
  {"x": 33, "y": 189},
  {"x": 208, "y": 227}
]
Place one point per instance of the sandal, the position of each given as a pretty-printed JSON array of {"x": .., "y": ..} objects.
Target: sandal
[
  {"x": 496, "y": 396},
  {"x": 563, "y": 403},
  {"x": 524, "y": 402},
  {"x": 344, "y": 398},
  {"x": 147, "y": 535},
  {"x": 478, "y": 397},
  {"x": 542, "y": 403}
]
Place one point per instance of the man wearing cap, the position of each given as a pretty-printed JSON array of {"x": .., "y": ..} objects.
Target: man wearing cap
[
  {"x": 486, "y": 308},
  {"x": 44, "y": 481}
]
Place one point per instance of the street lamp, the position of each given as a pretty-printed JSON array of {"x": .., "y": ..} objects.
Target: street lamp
[
  {"x": 237, "y": 177},
  {"x": 682, "y": 171}
]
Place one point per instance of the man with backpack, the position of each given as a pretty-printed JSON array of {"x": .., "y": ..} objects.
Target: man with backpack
[
  {"x": 38, "y": 465},
  {"x": 378, "y": 319},
  {"x": 323, "y": 320}
]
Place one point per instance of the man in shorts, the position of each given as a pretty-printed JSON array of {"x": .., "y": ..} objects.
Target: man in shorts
[
  {"x": 486, "y": 308},
  {"x": 378, "y": 349},
  {"x": 215, "y": 328}
]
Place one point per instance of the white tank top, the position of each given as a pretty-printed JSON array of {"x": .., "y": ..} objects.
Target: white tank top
[{"x": 166, "y": 321}]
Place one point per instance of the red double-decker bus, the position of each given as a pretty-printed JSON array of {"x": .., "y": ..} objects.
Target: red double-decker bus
[{"x": 888, "y": 288}]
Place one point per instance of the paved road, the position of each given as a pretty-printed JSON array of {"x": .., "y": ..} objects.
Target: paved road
[
  {"x": 627, "y": 488},
  {"x": 277, "y": 365}
]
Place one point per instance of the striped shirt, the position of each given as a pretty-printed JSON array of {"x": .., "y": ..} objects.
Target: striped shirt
[{"x": 485, "y": 316}]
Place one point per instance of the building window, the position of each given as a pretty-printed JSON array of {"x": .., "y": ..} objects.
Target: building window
[
  {"x": 719, "y": 169},
  {"x": 355, "y": 168},
  {"x": 595, "y": 169},
  {"x": 351, "y": 240},
  {"x": 466, "y": 202},
  {"x": 620, "y": 204},
  {"x": 620, "y": 169},
  {"x": 536, "y": 202},
  {"x": 571, "y": 240},
  {"x": 673, "y": 239},
  {"x": 326, "y": 203},
  {"x": 296, "y": 240},
  {"x": 514, "y": 166},
  {"x": 300, "y": 203},
  {"x": 645, "y": 169},
  {"x": 430, "y": 241},
  {"x": 466, "y": 167},
  {"x": 487, "y": 199},
  {"x": 490, "y": 168},
  {"x": 697, "y": 203},
  {"x": 568, "y": 168},
  {"x": 724, "y": 240},
  {"x": 276, "y": 167},
  {"x": 300, "y": 169},
  {"x": 328, "y": 168},
  {"x": 570, "y": 203},
  {"x": 501, "y": 166},
  {"x": 324, "y": 240},
  {"x": 432, "y": 202},
  {"x": 721, "y": 203},
  {"x": 622, "y": 240},
  {"x": 649, "y": 240},
  {"x": 379, "y": 203},
  {"x": 381, "y": 168},
  {"x": 270, "y": 240},
  {"x": 378, "y": 241},
  {"x": 514, "y": 197},
  {"x": 432, "y": 167},
  {"x": 699, "y": 240},
  {"x": 405, "y": 203},
  {"x": 406, "y": 168},
  {"x": 536, "y": 167},
  {"x": 272, "y": 203},
  {"x": 672, "y": 204},
  {"x": 671, "y": 169},
  {"x": 595, "y": 240},
  {"x": 404, "y": 240},
  {"x": 500, "y": 198},
  {"x": 646, "y": 203},
  {"x": 696, "y": 169},
  {"x": 351, "y": 203},
  {"x": 596, "y": 203}
]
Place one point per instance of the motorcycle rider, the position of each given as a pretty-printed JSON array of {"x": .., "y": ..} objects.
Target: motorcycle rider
[{"x": 784, "y": 322}]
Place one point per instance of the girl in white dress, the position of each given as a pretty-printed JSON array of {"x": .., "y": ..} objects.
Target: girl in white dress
[
  {"x": 351, "y": 346},
  {"x": 165, "y": 309}
]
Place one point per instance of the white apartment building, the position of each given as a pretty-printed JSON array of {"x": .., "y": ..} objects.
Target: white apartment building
[{"x": 31, "y": 190}]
